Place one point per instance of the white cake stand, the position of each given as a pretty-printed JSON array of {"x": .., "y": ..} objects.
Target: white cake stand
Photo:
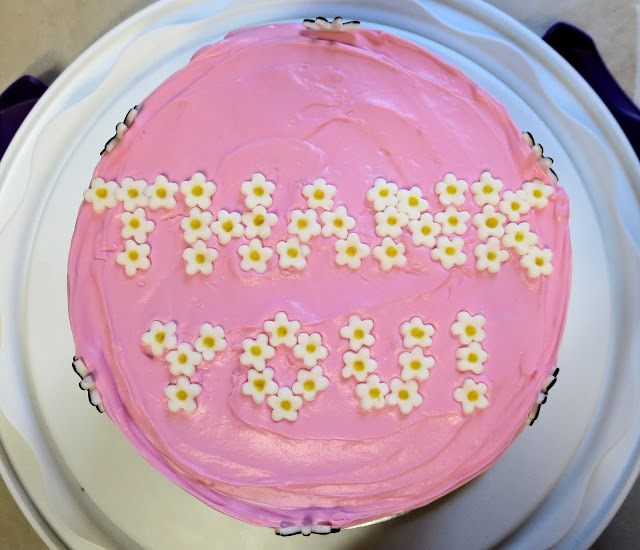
[{"x": 80, "y": 482}]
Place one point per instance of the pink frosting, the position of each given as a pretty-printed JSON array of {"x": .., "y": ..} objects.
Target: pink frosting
[{"x": 297, "y": 105}]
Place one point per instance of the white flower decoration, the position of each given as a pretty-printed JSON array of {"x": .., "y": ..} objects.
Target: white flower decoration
[
  {"x": 196, "y": 225},
  {"x": 131, "y": 194},
  {"x": 537, "y": 193},
  {"x": 310, "y": 349},
  {"x": 160, "y": 193},
  {"x": 471, "y": 396},
  {"x": 358, "y": 332},
  {"x": 537, "y": 262},
  {"x": 351, "y": 251},
  {"x": 452, "y": 221},
  {"x": 358, "y": 364},
  {"x": 135, "y": 256},
  {"x": 468, "y": 328},
  {"x": 285, "y": 405},
  {"x": 292, "y": 254},
  {"x": 256, "y": 352},
  {"x": 210, "y": 341},
  {"x": 337, "y": 223},
  {"x": 490, "y": 256},
  {"x": 310, "y": 382},
  {"x": 182, "y": 395},
  {"x": 519, "y": 237},
  {"x": 404, "y": 394},
  {"x": 227, "y": 226},
  {"x": 383, "y": 194},
  {"x": 372, "y": 392},
  {"x": 281, "y": 330},
  {"x": 258, "y": 191},
  {"x": 416, "y": 333},
  {"x": 390, "y": 254},
  {"x": 411, "y": 203},
  {"x": 489, "y": 223},
  {"x": 471, "y": 358},
  {"x": 101, "y": 194},
  {"x": 513, "y": 205},
  {"x": 160, "y": 337},
  {"x": 415, "y": 364},
  {"x": 487, "y": 190},
  {"x": 389, "y": 222},
  {"x": 183, "y": 360},
  {"x": 259, "y": 384},
  {"x": 258, "y": 223},
  {"x": 254, "y": 256},
  {"x": 304, "y": 225},
  {"x": 451, "y": 190},
  {"x": 337, "y": 25},
  {"x": 198, "y": 191},
  {"x": 199, "y": 258},
  {"x": 136, "y": 225},
  {"x": 319, "y": 194},
  {"x": 424, "y": 231},
  {"x": 449, "y": 252}
]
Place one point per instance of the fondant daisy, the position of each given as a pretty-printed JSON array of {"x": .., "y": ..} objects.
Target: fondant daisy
[
  {"x": 254, "y": 256},
  {"x": 451, "y": 190},
  {"x": 324, "y": 25},
  {"x": 183, "y": 360},
  {"x": 471, "y": 358},
  {"x": 351, "y": 251},
  {"x": 383, "y": 194},
  {"x": 372, "y": 392},
  {"x": 537, "y": 193},
  {"x": 358, "y": 332},
  {"x": 258, "y": 223},
  {"x": 256, "y": 352},
  {"x": 404, "y": 394},
  {"x": 133, "y": 257},
  {"x": 131, "y": 194},
  {"x": 416, "y": 332},
  {"x": 292, "y": 254},
  {"x": 282, "y": 330},
  {"x": 519, "y": 237},
  {"x": 449, "y": 252},
  {"x": 319, "y": 194},
  {"x": 490, "y": 256},
  {"x": 160, "y": 193},
  {"x": 210, "y": 341},
  {"x": 489, "y": 223},
  {"x": 304, "y": 225},
  {"x": 537, "y": 262},
  {"x": 101, "y": 194},
  {"x": 199, "y": 258},
  {"x": 358, "y": 364},
  {"x": 259, "y": 384},
  {"x": 198, "y": 191},
  {"x": 486, "y": 190},
  {"x": 468, "y": 328},
  {"x": 160, "y": 337},
  {"x": 424, "y": 231},
  {"x": 182, "y": 395},
  {"x": 415, "y": 364},
  {"x": 196, "y": 225},
  {"x": 227, "y": 226},
  {"x": 471, "y": 396},
  {"x": 310, "y": 349},
  {"x": 389, "y": 222},
  {"x": 310, "y": 382},
  {"x": 390, "y": 254},
  {"x": 136, "y": 225},
  {"x": 452, "y": 221},
  {"x": 258, "y": 191},
  {"x": 337, "y": 223},
  {"x": 514, "y": 204},
  {"x": 411, "y": 203},
  {"x": 285, "y": 405}
]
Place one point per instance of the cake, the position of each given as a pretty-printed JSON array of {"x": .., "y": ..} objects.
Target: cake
[{"x": 319, "y": 277}]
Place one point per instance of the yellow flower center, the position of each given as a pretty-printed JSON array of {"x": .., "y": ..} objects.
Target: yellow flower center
[
  {"x": 302, "y": 223},
  {"x": 200, "y": 258},
  {"x": 209, "y": 342},
  {"x": 491, "y": 256},
  {"x": 258, "y": 191},
  {"x": 426, "y": 230},
  {"x": 309, "y": 385},
  {"x": 374, "y": 393},
  {"x": 453, "y": 221},
  {"x": 392, "y": 252},
  {"x": 160, "y": 337},
  {"x": 195, "y": 224},
  {"x": 133, "y": 255},
  {"x": 338, "y": 222},
  {"x": 518, "y": 236},
  {"x": 539, "y": 261},
  {"x": 515, "y": 206},
  {"x": 358, "y": 365},
  {"x": 258, "y": 220},
  {"x": 133, "y": 193},
  {"x": 487, "y": 189},
  {"x": 286, "y": 405},
  {"x": 451, "y": 189},
  {"x": 449, "y": 251},
  {"x": 392, "y": 220},
  {"x": 413, "y": 201},
  {"x": 417, "y": 332},
  {"x": 182, "y": 358},
  {"x": 282, "y": 331},
  {"x": 134, "y": 223},
  {"x": 182, "y": 395},
  {"x": 470, "y": 330},
  {"x": 492, "y": 223},
  {"x": 255, "y": 351},
  {"x": 254, "y": 256},
  {"x": 228, "y": 226},
  {"x": 472, "y": 395},
  {"x": 259, "y": 384},
  {"x": 537, "y": 193},
  {"x": 415, "y": 365},
  {"x": 292, "y": 253},
  {"x": 101, "y": 193},
  {"x": 311, "y": 348},
  {"x": 384, "y": 193},
  {"x": 358, "y": 334},
  {"x": 161, "y": 193},
  {"x": 472, "y": 358},
  {"x": 351, "y": 251},
  {"x": 403, "y": 394},
  {"x": 318, "y": 194},
  {"x": 197, "y": 191}
]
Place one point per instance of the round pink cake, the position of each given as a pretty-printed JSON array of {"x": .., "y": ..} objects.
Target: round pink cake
[{"x": 319, "y": 277}]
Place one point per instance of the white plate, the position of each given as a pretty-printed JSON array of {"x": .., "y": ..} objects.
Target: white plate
[{"x": 79, "y": 480}]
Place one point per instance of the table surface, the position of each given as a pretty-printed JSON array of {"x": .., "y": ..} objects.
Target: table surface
[{"x": 42, "y": 37}]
